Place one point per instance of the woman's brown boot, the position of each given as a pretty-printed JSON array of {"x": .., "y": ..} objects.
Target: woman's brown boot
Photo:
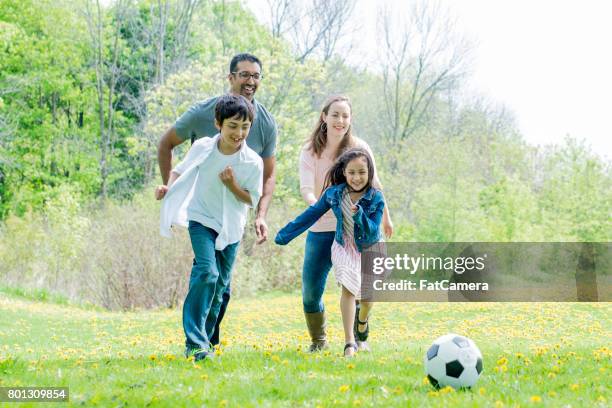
[{"x": 316, "y": 327}]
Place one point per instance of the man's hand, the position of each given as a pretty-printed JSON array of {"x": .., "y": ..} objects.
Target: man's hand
[
  {"x": 160, "y": 192},
  {"x": 261, "y": 230},
  {"x": 227, "y": 177}
]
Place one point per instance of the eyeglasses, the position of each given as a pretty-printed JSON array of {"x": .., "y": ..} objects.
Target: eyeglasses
[{"x": 246, "y": 75}]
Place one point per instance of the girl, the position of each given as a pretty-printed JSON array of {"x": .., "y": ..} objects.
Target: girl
[
  {"x": 358, "y": 208},
  {"x": 331, "y": 136}
]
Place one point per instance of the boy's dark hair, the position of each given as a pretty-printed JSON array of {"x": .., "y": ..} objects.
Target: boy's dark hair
[
  {"x": 336, "y": 176},
  {"x": 230, "y": 106},
  {"x": 243, "y": 57}
]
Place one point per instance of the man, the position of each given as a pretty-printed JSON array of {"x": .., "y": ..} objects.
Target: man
[{"x": 245, "y": 75}]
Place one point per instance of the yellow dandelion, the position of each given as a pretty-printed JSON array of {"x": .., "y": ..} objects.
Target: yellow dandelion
[
  {"x": 552, "y": 375},
  {"x": 482, "y": 391},
  {"x": 601, "y": 399},
  {"x": 552, "y": 394},
  {"x": 350, "y": 366},
  {"x": 344, "y": 388},
  {"x": 499, "y": 404},
  {"x": 535, "y": 399},
  {"x": 223, "y": 403},
  {"x": 152, "y": 357},
  {"x": 357, "y": 403},
  {"x": 502, "y": 361},
  {"x": 574, "y": 387},
  {"x": 204, "y": 376},
  {"x": 275, "y": 358}
]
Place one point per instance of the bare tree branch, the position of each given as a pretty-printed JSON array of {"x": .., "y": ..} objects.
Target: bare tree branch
[
  {"x": 314, "y": 26},
  {"x": 421, "y": 56}
]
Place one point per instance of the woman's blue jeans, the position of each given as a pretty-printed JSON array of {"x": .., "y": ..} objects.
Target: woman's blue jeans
[
  {"x": 317, "y": 263},
  {"x": 210, "y": 277}
]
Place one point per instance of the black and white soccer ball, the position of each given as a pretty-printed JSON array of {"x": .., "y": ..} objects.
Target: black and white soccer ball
[{"x": 453, "y": 360}]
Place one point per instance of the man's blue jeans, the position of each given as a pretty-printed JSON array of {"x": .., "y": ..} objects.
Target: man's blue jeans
[
  {"x": 210, "y": 277},
  {"x": 317, "y": 263}
]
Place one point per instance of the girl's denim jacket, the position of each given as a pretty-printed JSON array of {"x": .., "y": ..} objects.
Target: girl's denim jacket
[{"x": 367, "y": 218}]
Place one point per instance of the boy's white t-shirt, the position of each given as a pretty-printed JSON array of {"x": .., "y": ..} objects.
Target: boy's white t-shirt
[
  {"x": 206, "y": 206},
  {"x": 248, "y": 171}
]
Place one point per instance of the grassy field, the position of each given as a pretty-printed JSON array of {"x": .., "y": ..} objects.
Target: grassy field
[{"x": 550, "y": 354}]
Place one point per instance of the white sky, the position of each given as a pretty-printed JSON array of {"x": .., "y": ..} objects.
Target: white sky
[{"x": 549, "y": 61}]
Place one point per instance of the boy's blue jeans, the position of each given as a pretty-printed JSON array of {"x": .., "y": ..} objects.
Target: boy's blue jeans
[
  {"x": 317, "y": 263},
  {"x": 210, "y": 277}
]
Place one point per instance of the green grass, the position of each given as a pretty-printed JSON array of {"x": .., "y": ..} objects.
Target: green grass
[{"x": 551, "y": 354}]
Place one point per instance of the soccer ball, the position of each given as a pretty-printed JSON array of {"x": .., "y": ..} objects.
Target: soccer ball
[{"x": 453, "y": 360}]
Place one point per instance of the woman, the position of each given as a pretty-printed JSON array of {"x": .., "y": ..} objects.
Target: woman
[{"x": 331, "y": 136}]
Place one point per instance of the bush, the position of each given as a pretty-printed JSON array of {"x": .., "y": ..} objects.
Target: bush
[{"x": 114, "y": 257}]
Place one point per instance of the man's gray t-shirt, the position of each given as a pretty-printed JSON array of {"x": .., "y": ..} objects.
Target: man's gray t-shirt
[{"x": 199, "y": 121}]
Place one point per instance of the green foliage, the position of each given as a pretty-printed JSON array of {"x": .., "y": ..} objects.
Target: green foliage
[
  {"x": 43, "y": 84},
  {"x": 576, "y": 194}
]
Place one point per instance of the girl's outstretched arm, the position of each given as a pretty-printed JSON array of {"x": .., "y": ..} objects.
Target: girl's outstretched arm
[{"x": 303, "y": 221}]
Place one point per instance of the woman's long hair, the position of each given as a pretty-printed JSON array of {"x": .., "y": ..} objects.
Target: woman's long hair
[
  {"x": 336, "y": 175},
  {"x": 318, "y": 138}
]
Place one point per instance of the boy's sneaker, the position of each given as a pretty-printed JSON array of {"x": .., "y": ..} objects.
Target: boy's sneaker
[
  {"x": 197, "y": 354},
  {"x": 201, "y": 355}
]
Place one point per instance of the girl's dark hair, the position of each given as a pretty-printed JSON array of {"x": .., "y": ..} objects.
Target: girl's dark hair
[
  {"x": 318, "y": 138},
  {"x": 336, "y": 176},
  {"x": 229, "y": 106}
]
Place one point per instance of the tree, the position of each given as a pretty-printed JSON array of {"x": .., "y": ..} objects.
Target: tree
[
  {"x": 421, "y": 56},
  {"x": 108, "y": 69},
  {"x": 314, "y": 27}
]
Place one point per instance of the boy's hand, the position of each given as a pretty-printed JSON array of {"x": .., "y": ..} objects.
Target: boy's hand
[
  {"x": 354, "y": 208},
  {"x": 160, "y": 192},
  {"x": 227, "y": 177}
]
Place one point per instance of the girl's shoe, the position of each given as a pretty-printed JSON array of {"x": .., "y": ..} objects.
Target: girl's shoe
[
  {"x": 350, "y": 349},
  {"x": 363, "y": 346},
  {"x": 361, "y": 336}
]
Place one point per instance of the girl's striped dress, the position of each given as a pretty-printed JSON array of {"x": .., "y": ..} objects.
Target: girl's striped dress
[{"x": 347, "y": 259}]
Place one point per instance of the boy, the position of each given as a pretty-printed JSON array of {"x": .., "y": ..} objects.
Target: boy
[{"x": 210, "y": 192}]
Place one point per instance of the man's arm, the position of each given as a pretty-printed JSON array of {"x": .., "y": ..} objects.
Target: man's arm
[
  {"x": 269, "y": 182},
  {"x": 164, "y": 158},
  {"x": 164, "y": 152}
]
